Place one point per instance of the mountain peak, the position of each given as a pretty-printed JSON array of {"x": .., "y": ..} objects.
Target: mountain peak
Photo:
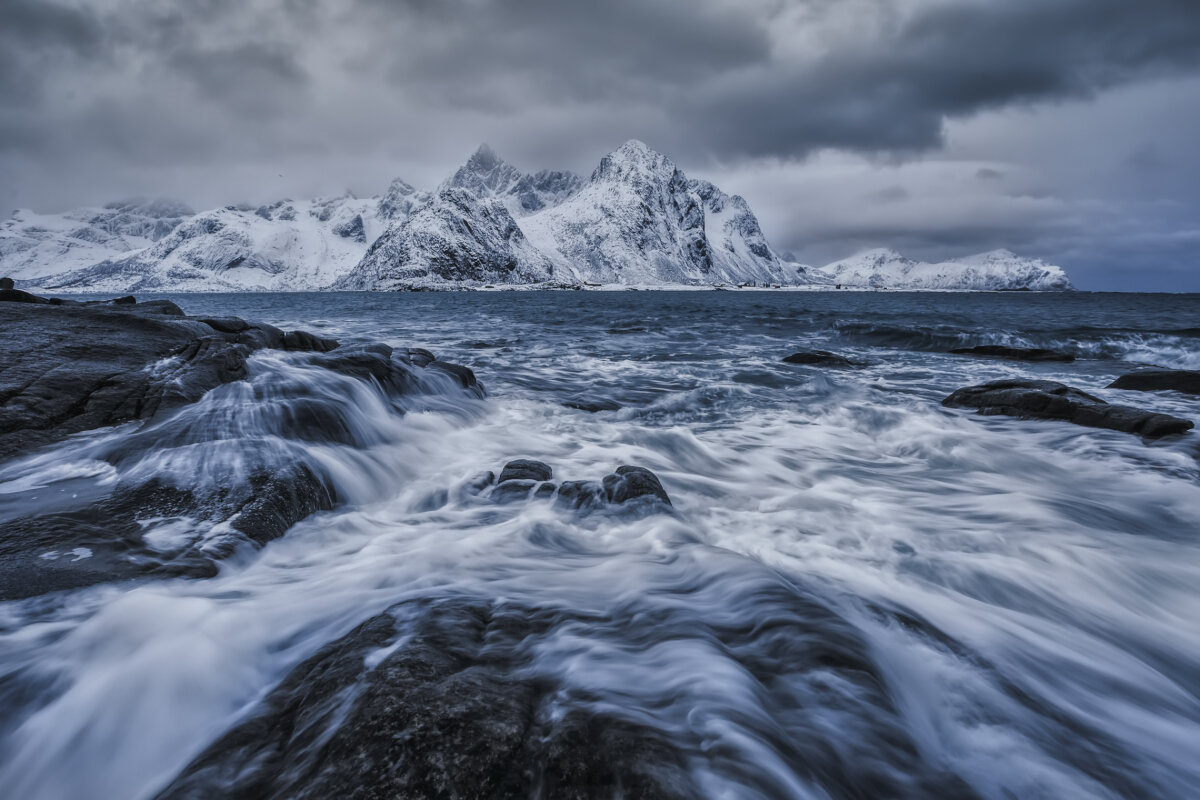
[
  {"x": 485, "y": 174},
  {"x": 484, "y": 159},
  {"x": 631, "y": 159}
]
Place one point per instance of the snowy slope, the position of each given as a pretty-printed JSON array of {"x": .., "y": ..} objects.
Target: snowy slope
[
  {"x": 283, "y": 246},
  {"x": 33, "y": 246},
  {"x": 457, "y": 239},
  {"x": 997, "y": 270}
]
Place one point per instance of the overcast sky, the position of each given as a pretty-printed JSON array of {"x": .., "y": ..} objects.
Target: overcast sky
[{"x": 1064, "y": 129}]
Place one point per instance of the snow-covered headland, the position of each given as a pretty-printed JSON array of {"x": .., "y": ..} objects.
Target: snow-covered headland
[{"x": 636, "y": 222}]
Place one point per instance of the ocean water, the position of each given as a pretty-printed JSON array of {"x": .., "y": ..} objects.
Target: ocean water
[{"x": 856, "y": 587}]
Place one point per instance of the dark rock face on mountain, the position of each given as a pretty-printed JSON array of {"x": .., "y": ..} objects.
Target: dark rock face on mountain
[
  {"x": 1160, "y": 380},
  {"x": 1032, "y": 399},
  {"x": 1014, "y": 353},
  {"x": 818, "y": 358},
  {"x": 448, "y": 715},
  {"x": 455, "y": 239}
]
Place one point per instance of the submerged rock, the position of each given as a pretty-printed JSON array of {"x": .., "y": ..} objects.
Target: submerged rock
[
  {"x": 470, "y": 697},
  {"x": 1034, "y": 399},
  {"x": 592, "y": 405},
  {"x": 524, "y": 469},
  {"x": 453, "y": 712},
  {"x": 1015, "y": 353},
  {"x": 1160, "y": 380},
  {"x": 630, "y": 483},
  {"x": 524, "y": 479},
  {"x": 819, "y": 358}
]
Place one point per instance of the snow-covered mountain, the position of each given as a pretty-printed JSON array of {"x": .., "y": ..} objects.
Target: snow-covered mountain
[
  {"x": 34, "y": 246},
  {"x": 282, "y": 246},
  {"x": 457, "y": 239},
  {"x": 637, "y": 220},
  {"x": 997, "y": 270}
]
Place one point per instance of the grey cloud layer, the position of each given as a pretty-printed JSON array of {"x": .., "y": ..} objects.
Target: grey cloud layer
[{"x": 218, "y": 98}]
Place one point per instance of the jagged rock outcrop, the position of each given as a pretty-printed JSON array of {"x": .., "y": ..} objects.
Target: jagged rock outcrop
[
  {"x": 71, "y": 367},
  {"x": 454, "y": 240}
]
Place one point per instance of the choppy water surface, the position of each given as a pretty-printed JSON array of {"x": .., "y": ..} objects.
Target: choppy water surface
[{"x": 1022, "y": 598}]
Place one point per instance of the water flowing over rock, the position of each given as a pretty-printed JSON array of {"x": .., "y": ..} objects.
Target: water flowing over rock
[{"x": 76, "y": 367}]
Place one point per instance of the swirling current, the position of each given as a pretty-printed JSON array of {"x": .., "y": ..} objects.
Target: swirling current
[{"x": 856, "y": 592}]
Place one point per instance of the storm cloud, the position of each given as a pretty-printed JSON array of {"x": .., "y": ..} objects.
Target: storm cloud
[{"x": 947, "y": 120}]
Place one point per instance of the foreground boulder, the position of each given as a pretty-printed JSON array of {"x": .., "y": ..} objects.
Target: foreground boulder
[
  {"x": 68, "y": 367},
  {"x": 524, "y": 478},
  {"x": 1015, "y": 353},
  {"x": 819, "y": 358},
  {"x": 1160, "y": 380},
  {"x": 1031, "y": 399},
  {"x": 456, "y": 699},
  {"x": 75, "y": 367}
]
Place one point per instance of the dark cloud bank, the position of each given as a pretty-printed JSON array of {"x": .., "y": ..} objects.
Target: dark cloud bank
[{"x": 1064, "y": 128}]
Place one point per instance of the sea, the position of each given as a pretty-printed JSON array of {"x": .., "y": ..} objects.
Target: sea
[{"x": 1024, "y": 595}]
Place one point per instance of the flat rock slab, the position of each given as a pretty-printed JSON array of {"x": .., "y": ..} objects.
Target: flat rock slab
[
  {"x": 1030, "y": 399},
  {"x": 1014, "y": 353},
  {"x": 1160, "y": 380},
  {"x": 819, "y": 358}
]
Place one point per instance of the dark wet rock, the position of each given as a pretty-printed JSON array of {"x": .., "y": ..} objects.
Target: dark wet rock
[
  {"x": 420, "y": 356},
  {"x": 19, "y": 296},
  {"x": 70, "y": 368},
  {"x": 819, "y": 358},
  {"x": 127, "y": 300},
  {"x": 448, "y": 698},
  {"x": 629, "y": 483},
  {"x": 36, "y": 552},
  {"x": 1015, "y": 353},
  {"x": 74, "y": 367},
  {"x": 226, "y": 324},
  {"x": 525, "y": 469},
  {"x": 525, "y": 479},
  {"x": 592, "y": 405},
  {"x": 1033, "y": 399},
  {"x": 165, "y": 307},
  {"x": 462, "y": 374},
  {"x": 454, "y": 712},
  {"x": 7, "y": 283},
  {"x": 512, "y": 490},
  {"x": 1160, "y": 380},
  {"x": 305, "y": 341},
  {"x": 582, "y": 495}
]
